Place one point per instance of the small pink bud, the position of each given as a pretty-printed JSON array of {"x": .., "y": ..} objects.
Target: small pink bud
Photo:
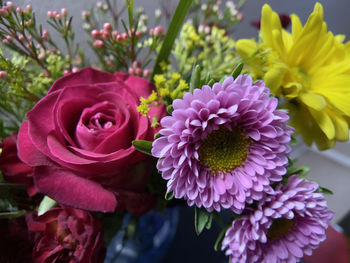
[
  {"x": 10, "y": 6},
  {"x": 21, "y": 37},
  {"x": 158, "y": 31},
  {"x": 66, "y": 72},
  {"x": 45, "y": 35},
  {"x": 105, "y": 34},
  {"x": 138, "y": 34},
  {"x": 64, "y": 11},
  {"x": 107, "y": 27},
  {"x": 3, "y": 12},
  {"x": 85, "y": 14},
  {"x": 9, "y": 38},
  {"x": 138, "y": 71},
  {"x": 19, "y": 10},
  {"x": 125, "y": 36},
  {"x": 29, "y": 45},
  {"x": 136, "y": 64},
  {"x": 55, "y": 13},
  {"x": 119, "y": 38},
  {"x": 29, "y": 8},
  {"x": 98, "y": 44},
  {"x": 29, "y": 22},
  {"x": 131, "y": 71},
  {"x": 75, "y": 69},
  {"x": 147, "y": 73},
  {"x": 50, "y": 14},
  {"x": 58, "y": 17},
  {"x": 5, "y": 41},
  {"x": 99, "y": 4},
  {"x": 3, "y": 74},
  {"x": 42, "y": 55},
  {"x": 95, "y": 34},
  {"x": 151, "y": 31}
]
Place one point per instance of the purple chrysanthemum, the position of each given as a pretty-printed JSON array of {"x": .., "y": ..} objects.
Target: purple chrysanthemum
[
  {"x": 283, "y": 228},
  {"x": 223, "y": 146}
]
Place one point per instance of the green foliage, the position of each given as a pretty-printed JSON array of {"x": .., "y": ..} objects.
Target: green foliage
[
  {"x": 202, "y": 219},
  {"x": 143, "y": 146}
]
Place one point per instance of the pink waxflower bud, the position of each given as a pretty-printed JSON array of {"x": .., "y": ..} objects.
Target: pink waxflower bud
[
  {"x": 29, "y": 8},
  {"x": 158, "y": 31},
  {"x": 9, "y": 38},
  {"x": 10, "y": 6},
  {"x": 75, "y": 69},
  {"x": 119, "y": 38},
  {"x": 138, "y": 71},
  {"x": 64, "y": 11},
  {"x": 136, "y": 64},
  {"x": 95, "y": 34},
  {"x": 45, "y": 35},
  {"x": 3, "y": 12},
  {"x": 151, "y": 31},
  {"x": 55, "y": 13},
  {"x": 146, "y": 73},
  {"x": 99, "y": 4},
  {"x": 105, "y": 34},
  {"x": 138, "y": 34},
  {"x": 42, "y": 55},
  {"x": 21, "y": 37},
  {"x": 66, "y": 72},
  {"x": 5, "y": 41},
  {"x": 98, "y": 44},
  {"x": 29, "y": 22},
  {"x": 58, "y": 16},
  {"x": 131, "y": 71},
  {"x": 107, "y": 27},
  {"x": 29, "y": 45},
  {"x": 50, "y": 14},
  {"x": 85, "y": 15},
  {"x": 19, "y": 10},
  {"x": 3, "y": 74},
  {"x": 125, "y": 36}
]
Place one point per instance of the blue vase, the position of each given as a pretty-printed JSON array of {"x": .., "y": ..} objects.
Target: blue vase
[{"x": 155, "y": 232}]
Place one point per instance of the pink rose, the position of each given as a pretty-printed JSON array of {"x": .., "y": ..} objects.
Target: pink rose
[
  {"x": 65, "y": 234},
  {"x": 79, "y": 139},
  {"x": 13, "y": 169}
]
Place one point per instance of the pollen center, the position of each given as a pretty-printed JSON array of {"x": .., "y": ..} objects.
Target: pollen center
[
  {"x": 223, "y": 150},
  {"x": 279, "y": 228}
]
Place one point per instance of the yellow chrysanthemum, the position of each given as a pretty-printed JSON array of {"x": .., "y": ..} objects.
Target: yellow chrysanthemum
[{"x": 309, "y": 69}]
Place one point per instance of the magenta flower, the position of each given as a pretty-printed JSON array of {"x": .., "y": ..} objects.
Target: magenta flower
[
  {"x": 223, "y": 146},
  {"x": 282, "y": 228}
]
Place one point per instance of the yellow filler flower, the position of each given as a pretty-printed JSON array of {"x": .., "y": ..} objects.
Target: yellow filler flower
[{"x": 309, "y": 70}]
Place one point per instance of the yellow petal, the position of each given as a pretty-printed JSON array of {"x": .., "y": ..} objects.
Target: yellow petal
[
  {"x": 297, "y": 27},
  {"x": 339, "y": 101},
  {"x": 317, "y": 102},
  {"x": 269, "y": 21},
  {"x": 273, "y": 79},
  {"x": 341, "y": 127},
  {"x": 324, "y": 122},
  {"x": 246, "y": 47}
]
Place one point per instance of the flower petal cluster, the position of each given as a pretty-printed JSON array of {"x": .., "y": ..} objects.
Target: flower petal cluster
[
  {"x": 223, "y": 146},
  {"x": 310, "y": 69},
  {"x": 283, "y": 228}
]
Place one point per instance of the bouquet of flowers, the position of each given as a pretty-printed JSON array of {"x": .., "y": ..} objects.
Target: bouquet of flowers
[{"x": 159, "y": 118}]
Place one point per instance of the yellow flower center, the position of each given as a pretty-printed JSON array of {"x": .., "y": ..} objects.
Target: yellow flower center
[
  {"x": 279, "y": 228},
  {"x": 223, "y": 150}
]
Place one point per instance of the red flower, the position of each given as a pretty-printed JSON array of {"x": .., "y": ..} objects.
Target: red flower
[
  {"x": 65, "y": 234},
  {"x": 78, "y": 139},
  {"x": 13, "y": 169}
]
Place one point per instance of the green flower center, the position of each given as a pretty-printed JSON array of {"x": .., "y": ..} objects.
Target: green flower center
[
  {"x": 279, "y": 228},
  {"x": 223, "y": 150}
]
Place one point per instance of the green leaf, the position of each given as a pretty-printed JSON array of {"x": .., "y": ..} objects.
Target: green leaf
[
  {"x": 211, "y": 82},
  {"x": 170, "y": 109},
  {"x": 176, "y": 22},
  {"x": 143, "y": 146},
  {"x": 45, "y": 205},
  {"x": 324, "y": 190},
  {"x": 302, "y": 171},
  {"x": 202, "y": 219},
  {"x": 13, "y": 214},
  {"x": 237, "y": 70},
  {"x": 130, "y": 4},
  {"x": 218, "y": 242},
  {"x": 169, "y": 196},
  {"x": 157, "y": 135},
  {"x": 195, "y": 78}
]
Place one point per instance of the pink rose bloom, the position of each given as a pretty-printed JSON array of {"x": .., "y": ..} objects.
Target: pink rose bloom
[{"x": 79, "y": 139}]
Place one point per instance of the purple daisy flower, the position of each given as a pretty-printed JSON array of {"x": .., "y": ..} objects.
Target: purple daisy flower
[
  {"x": 223, "y": 146},
  {"x": 283, "y": 228}
]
